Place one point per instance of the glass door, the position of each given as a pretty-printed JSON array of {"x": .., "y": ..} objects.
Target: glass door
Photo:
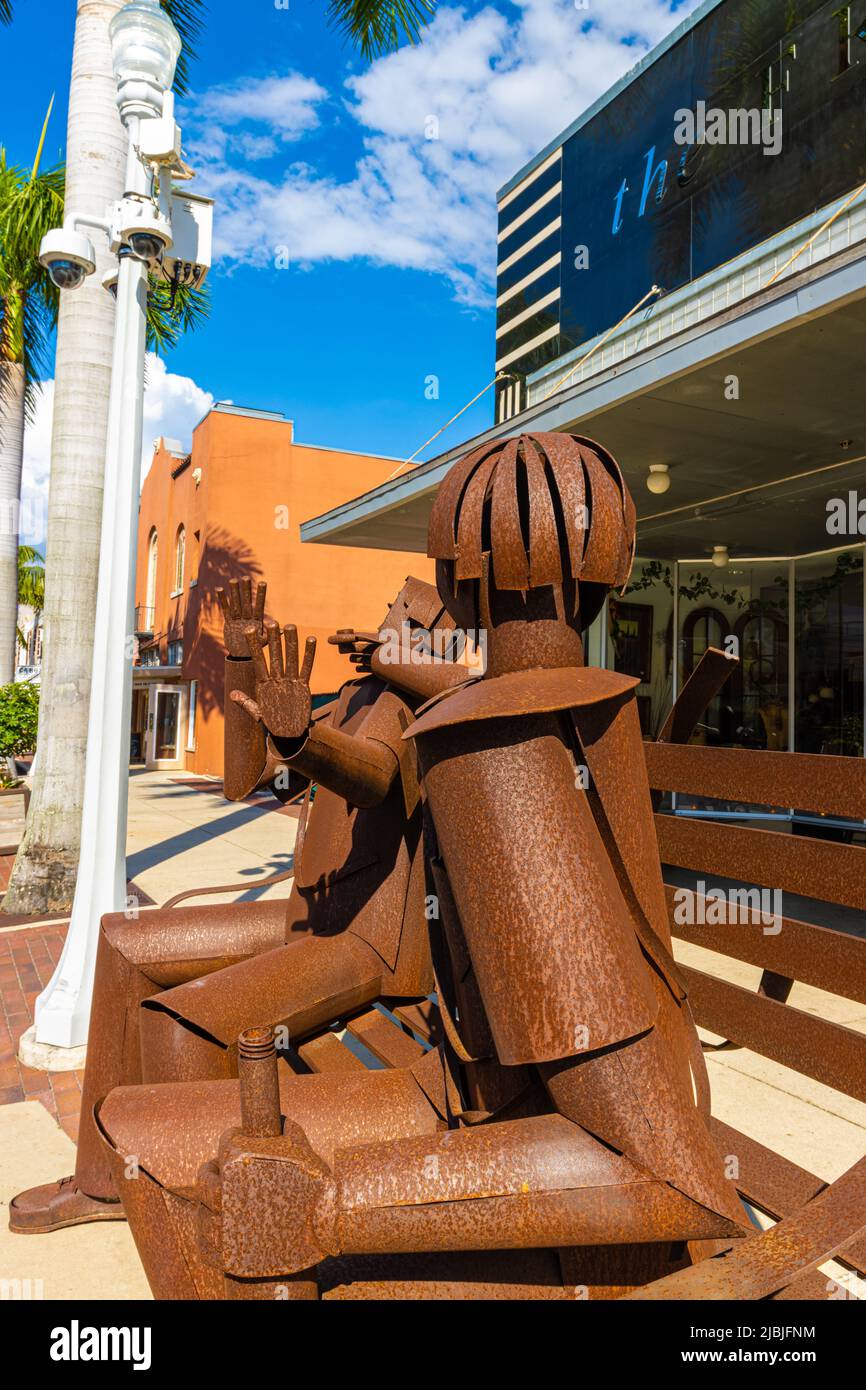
[{"x": 166, "y": 725}]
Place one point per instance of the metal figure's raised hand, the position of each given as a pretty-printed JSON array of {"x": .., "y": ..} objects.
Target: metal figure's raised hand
[
  {"x": 240, "y": 611},
  {"x": 283, "y": 702}
]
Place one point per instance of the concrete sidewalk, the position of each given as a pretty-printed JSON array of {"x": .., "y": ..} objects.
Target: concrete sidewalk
[
  {"x": 82, "y": 1262},
  {"x": 183, "y": 834}
]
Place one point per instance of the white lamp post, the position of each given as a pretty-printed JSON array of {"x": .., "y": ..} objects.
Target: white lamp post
[{"x": 141, "y": 229}]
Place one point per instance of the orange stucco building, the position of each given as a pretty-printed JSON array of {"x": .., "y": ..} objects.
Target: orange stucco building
[{"x": 233, "y": 507}]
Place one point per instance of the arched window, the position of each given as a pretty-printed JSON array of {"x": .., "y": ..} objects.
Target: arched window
[
  {"x": 152, "y": 558},
  {"x": 179, "y": 548},
  {"x": 703, "y": 627}
]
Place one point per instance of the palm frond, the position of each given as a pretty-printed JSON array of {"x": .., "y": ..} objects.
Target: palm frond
[
  {"x": 30, "y": 204},
  {"x": 41, "y": 146},
  {"x": 377, "y": 26},
  {"x": 31, "y": 577},
  {"x": 29, "y": 211},
  {"x": 187, "y": 16},
  {"x": 168, "y": 320},
  {"x": 5, "y": 11},
  {"x": 38, "y": 321}
]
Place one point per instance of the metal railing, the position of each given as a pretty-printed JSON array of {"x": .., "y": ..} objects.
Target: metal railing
[{"x": 144, "y": 617}]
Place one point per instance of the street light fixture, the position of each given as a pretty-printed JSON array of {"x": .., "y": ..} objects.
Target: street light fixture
[
  {"x": 145, "y": 47},
  {"x": 149, "y": 222}
]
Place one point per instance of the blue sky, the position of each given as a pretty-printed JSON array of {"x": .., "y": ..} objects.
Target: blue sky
[{"x": 320, "y": 159}]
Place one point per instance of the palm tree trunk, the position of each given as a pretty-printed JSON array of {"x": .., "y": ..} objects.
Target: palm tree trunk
[
  {"x": 12, "y": 385},
  {"x": 43, "y": 877}
]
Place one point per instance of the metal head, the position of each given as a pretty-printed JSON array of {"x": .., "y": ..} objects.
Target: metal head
[
  {"x": 536, "y": 512},
  {"x": 419, "y": 607},
  {"x": 418, "y": 604}
]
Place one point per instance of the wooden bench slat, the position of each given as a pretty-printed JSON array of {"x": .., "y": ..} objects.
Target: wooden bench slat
[
  {"x": 767, "y": 1179},
  {"x": 423, "y": 1018},
  {"x": 792, "y": 863},
  {"x": 386, "y": 1040},
  {"x": 774, "y": 1184},
  {"x": 826, "y": 784},
  {"x": 811, "y": 1287},
  {"x": 327, "y": 1054},
  {"x": 817, "y": 956},
  {"x": 828, "y": 1052}
]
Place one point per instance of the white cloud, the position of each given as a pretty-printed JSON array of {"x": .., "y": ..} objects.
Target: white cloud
[
  {"x": 286, "y": 106},
  {"x": 37, "y": 467},
  {"x": 500, "y": 88},
  {"x": 173, "y": 406}
]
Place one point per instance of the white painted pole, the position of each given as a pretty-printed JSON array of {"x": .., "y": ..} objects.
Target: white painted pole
[{"x": 63, "y": 1007}]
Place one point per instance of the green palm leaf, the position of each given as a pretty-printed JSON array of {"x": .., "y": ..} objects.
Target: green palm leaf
[
  {"x": 5, "y": 11},
  {"x": 187, "y": 16},
  {"x": 31, "y": 577},
  {"x": 167, "y": 319},
  {"x": 376, "y": 26},
  {"x": 30, "y": 204}
]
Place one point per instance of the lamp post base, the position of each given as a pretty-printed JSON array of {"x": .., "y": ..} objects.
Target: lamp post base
[{"x": 47, "y": 1056}]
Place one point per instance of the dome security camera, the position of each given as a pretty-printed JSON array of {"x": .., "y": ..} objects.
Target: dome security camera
[
  {"x": 147, "y": 234},
  {"x": 109, "y": 281},
  {"x": 68, "y": 256}
]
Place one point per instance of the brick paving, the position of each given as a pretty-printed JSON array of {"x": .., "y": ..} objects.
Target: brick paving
[
  {"x": 28, "y": 956},
  {"x": 27, "y": 961}
]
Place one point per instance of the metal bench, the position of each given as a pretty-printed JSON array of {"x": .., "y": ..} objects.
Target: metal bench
[{"x": 816, "y": 1221}]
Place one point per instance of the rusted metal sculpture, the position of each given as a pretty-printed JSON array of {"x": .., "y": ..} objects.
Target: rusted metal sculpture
[
  {"x": 567, "y": 1107},
  {"x": 174, "y": 987}
]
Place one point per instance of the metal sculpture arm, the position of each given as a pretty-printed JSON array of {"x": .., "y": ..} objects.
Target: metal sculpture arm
[
  {"x": 358, "y": 768},
  {"x": 423, "y": 676},
  {"x": 245, "y": 756}
]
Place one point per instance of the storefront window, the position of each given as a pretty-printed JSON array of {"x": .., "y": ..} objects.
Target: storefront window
[
  {"x": 829, "y": 654},
  {"x": 744, "y": 606},
  {"x": 640, "y": 638},
  {"x": 752, "y": 607}
]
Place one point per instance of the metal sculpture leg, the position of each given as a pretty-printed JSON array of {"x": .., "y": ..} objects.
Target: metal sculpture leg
[
  {"x": 174, "y": 1266},
  {"x": 190, "y": 1033},
  {"x": 158, "y": 1137}
]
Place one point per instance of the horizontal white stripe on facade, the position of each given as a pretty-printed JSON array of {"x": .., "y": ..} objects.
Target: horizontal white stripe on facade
[
  {"x": 527, "y": 347},
  {"x": 524, "y": 183},
  {"x": 551, "y": 227},
  {"x": 826, "y": 232},
  {"x": 535, "y": 207},
  {"x": 528, "y": 279},
  {"x": 528, "y": 312}
]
